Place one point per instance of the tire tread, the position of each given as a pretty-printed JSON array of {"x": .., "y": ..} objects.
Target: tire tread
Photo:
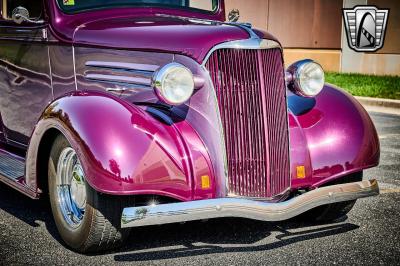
[
  {"x": 106, "y": 232},
  {"x": 101, "y": 230}
]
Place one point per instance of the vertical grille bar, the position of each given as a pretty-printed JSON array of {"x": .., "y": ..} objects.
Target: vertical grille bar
[{"x": 251, "y": 95}]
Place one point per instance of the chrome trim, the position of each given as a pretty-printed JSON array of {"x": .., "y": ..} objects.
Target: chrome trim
[
  {"x": 276, "y": 198},
  {"x": 123, "y": 66},
  {"x": 245, "y": 208},
  {"x": 247, "y": 27},
  {"x": 254, "y": 43},
  {"x": 125, "y": 75},
  {"x": 234, "y": 15},
  {"x": 70, "y": 188},
  {"x": 158, "y": 80},
  {"x": 292, "y": 77},
  {"x": 50, "y": 71},
  {"x": 119, "y": 79},
  {"x": 120, "y": 88},
  {"x": 213, "y": 93},
  {"x": 74, "y": 67},
  {"x": 45, "y": 35},
  {"x": 288, "y": 78}
]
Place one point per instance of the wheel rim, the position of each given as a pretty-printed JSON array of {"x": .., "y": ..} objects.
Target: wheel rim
[{"x": 71, "y": 188}]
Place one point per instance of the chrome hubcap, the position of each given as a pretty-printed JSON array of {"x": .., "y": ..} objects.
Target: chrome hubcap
[{"x": 71, "y": 189}]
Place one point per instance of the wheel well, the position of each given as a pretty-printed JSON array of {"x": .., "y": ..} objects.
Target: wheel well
[
  {"x": 353, "y": 177},
  {"x": 43, "y": 156},
  {"x": 42, "y": 159},
  {"x": 145, "y": 200}
]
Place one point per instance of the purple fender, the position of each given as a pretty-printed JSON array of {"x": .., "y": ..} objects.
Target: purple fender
[
  {"x": 331, "y": 136},
  {"x": 124, "y": 149}
]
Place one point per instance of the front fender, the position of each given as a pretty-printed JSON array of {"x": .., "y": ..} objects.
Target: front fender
[
  {"x": 331, "y": 135},
  {"x": 124, "y": 150}
]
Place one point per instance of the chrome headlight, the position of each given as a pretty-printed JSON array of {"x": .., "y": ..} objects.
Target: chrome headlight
[
  {"x": 174, "y": 83},
  {"x": 305, "y": 78}
]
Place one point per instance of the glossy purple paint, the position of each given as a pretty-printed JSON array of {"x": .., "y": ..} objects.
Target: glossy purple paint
[
  {"x": 128, "y": 144},
  {"x": 64, "y": 25},
  {"x": 22, "y": 82},
  {"x": 144, "y": 29},
  {"x": 331, "y": 135},
  {"x": 157, "y": 34},
  {"x": 125, "y": 150}
]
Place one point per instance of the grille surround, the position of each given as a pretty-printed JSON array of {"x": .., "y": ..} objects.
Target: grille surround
[{"x": 250, "y": 89}]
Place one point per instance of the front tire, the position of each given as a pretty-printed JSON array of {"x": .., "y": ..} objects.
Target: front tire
[
  {"x": 86, "y": 220},
  {"x": 335, "y": 211}
]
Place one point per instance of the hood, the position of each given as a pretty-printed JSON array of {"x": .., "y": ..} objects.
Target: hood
[{"x": 173, "y": 35}]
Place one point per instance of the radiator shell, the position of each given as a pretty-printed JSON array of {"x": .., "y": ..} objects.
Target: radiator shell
[{"x": 252, "y": 101}]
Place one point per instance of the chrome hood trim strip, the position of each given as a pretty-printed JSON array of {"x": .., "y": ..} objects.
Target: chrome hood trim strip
[
  {"x": 246, "y": 208},
  {"x": 254, "y": 43},
  {"x": 119, "y": 79},
  {"x": 122, "y": 66},
  {"x": 125, "y": 74}
]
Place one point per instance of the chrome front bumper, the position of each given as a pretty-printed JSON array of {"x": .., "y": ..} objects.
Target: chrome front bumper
[{"x": 246, "y": 208}]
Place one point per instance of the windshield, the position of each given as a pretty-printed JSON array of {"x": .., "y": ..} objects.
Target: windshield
[{"x": 74, "y": 6}]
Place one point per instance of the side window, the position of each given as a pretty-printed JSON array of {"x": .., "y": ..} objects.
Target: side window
[
  {"x": 2, "y": 9},
  {"x": 35, "y": 8},
  {"x": 203, "y": 4}
]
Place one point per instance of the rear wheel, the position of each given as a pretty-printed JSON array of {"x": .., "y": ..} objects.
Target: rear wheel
[
  {"x": 86, "y": 220},
  {"x": 334, "y": 211}
]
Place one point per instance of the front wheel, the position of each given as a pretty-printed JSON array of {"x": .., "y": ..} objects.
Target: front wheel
[
  {"x": 334, "y": 211},
  {"x": 86, "y": 220}
]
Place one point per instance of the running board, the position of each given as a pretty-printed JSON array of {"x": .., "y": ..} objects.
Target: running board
[
  {"x": 12, "y": 173},
  {"x": 11, "y": 166}
]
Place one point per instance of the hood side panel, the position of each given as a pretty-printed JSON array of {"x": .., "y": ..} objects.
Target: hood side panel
[{"x": 167, "y": 35}]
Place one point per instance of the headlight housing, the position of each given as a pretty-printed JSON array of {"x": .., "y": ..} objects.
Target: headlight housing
[
  {"x": 173, "y": 83},
  {"x": 305, "y": 78}
]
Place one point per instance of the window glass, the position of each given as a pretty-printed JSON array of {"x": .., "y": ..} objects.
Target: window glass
[
  {"x": 1, "y": 9},
  {"x": 73, "y": 6},
  {"x": 34, "y": 7}
]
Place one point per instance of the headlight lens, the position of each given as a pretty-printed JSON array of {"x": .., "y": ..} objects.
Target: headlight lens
[
  {"x": 174, "y": 83},
  {"x": 308, "y": 78}
]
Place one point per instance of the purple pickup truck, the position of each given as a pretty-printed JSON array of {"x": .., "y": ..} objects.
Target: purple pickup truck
[{"x": 129, "y": 113}]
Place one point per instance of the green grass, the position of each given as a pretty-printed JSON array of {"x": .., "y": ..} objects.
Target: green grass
[{"x": 367, "y": 85}]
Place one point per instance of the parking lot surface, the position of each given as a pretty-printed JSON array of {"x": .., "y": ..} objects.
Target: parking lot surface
[{"x": 370, "y": 235}]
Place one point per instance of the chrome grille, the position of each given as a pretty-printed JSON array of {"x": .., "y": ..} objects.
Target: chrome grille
[{"x": 252, "y": 100}]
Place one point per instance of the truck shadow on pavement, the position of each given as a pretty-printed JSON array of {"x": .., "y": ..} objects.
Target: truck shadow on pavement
[
  {"x": 31, "y": 212},
  {"x": 227, "y": 235}
]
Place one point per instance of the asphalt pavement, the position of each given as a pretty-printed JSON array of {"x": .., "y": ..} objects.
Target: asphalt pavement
[{"x": 370, "y": 234}]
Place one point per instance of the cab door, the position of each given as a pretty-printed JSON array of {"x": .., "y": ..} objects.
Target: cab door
[{"x": 25, "y": 80}]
